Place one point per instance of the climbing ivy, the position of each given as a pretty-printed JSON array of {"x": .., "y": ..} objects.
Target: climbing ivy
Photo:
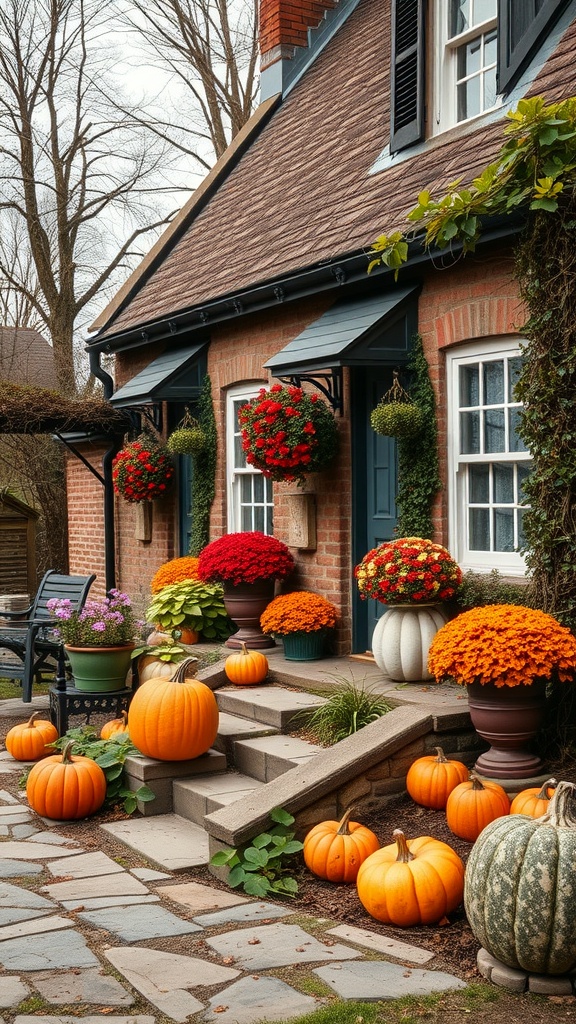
[
  {"x": 204, "y": 476},
  {"x": 418, "y": 473},
  {"x": 533, "y": 175}
]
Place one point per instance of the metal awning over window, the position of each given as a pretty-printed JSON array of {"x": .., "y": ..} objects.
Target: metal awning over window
[
  {"x": 175, "y": 376},
  {"x": 353, "y": 332}
]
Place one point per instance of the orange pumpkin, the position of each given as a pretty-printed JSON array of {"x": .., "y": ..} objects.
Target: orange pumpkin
[
  {"x": 187, "y": 636},
  {"x": 28, "y": 741},
  {"x": 117, "y": 725},
  {"x": 411, "y": 882},
  {"x": 533, "y": 802},
  {"x": 246, "y": 667},
  {"x": 335, "y": 849},
  {"x": 63, "y": 787},
  {"x": 173, "y": 719},
  {"x": 431, "y": 779},
  {"x": 474, "y": 804}
]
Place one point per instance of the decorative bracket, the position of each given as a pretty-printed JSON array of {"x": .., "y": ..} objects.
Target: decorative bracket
[{"x": 329, "y": 382}]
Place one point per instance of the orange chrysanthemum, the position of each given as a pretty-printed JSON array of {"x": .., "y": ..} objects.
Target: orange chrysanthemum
[
  {"x": 298, "y": 612},
  {"x": 175, "y": 571},
  {"x": 504, "y": 644}
]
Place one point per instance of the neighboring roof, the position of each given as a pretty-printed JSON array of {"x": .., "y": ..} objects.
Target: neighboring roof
[
  {"x": 347, "y": 334},
  {"x": 303, "y": 194},
  {"x": 174, "y": 376},
  {"x": 26, "y": 357}
]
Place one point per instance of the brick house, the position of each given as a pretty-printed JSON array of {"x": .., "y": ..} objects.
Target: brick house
[{"x": 263, "y": 275}]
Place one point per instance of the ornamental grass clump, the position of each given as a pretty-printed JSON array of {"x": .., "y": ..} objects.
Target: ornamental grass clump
[
  {"x": 245, "y": 558},
  {"x": 109, "y": 622},
  {"x": 347, "y": 710},
  {"x": 409, "y": 570},
  {"x": 287, "y": 433},
  {"x": 299, "y": 612},
  {"x": 503, "y": 644},
  {"x": 174, "y": 571}
]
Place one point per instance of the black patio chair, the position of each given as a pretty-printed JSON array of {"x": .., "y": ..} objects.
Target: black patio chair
[{"x": 29, "y": 634}]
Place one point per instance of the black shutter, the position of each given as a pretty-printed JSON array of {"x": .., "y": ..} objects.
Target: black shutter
[
  {"x": 522, "y": 25},
  {"x": 407, "y": 74}
]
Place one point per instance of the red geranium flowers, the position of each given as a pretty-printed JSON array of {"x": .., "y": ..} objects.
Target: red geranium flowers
[{"x": 142, "y": 470}]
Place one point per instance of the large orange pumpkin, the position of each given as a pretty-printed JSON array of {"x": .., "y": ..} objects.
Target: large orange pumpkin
[
  {"x": 533, "y": 801},
  {"x": 28, "y": 740},
  {"x": 431, "y": 779},
  {"x": 246, "y": 667},
  {"x": 173, "y": 719},
  {"x": 63, "y": 787},
  {"x": 335, "y": 849},
  {"x": 411, "y": 882},
  {"x": 117, "y": 725},
  {"x": 474, "y": 804}
]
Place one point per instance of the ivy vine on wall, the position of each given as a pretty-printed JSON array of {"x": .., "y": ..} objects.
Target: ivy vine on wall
[
  {"x": 204, "y": 475},
  {"x": 418, "y": 472},
  {"x": 534, "y": 174}
]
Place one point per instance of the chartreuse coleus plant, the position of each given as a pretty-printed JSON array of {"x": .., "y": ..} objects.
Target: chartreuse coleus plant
[
  {"x": 259, "y": 866},
  {"x": 533, "y": 175},
  {"x": 110, "y": 754}
]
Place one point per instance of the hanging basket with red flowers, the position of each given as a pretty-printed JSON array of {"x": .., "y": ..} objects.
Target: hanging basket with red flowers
[
  {"x": 287, "y": 433},
  {"x": 142, "y": 470}
]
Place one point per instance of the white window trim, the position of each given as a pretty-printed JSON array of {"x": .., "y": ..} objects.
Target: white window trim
[
  {"x": 445, "y": 101},
  {"x": 244, "y": 392},
  {"x": 509, "y": 563}
]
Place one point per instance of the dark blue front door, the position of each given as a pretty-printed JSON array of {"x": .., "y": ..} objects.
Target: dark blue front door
[{"x": 374, "y": 485}]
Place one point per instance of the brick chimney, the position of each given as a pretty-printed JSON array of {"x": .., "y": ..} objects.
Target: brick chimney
[{"x": 284, "y": 26}]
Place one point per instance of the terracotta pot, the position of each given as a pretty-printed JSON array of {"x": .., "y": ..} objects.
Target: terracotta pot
[
  {"x": 245, "y": 603},
  {"x": 508, "y": 717},
  {"x": 402, "y": 638}
]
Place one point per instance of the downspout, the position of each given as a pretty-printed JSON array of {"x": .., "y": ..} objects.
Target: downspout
[{"x": 109, "y": 523}]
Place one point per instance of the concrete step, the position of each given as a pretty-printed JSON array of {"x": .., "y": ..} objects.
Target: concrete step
[
  {"x": 159, "y": 776},
  {"x": 193, "y": 798},
  {"x": 234, "y": 727},
  {"x": 267, "y": 757},
  {"x": 268, "y": 704}
]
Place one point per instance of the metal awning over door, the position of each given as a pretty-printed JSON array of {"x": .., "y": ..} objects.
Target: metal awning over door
[{"x": 175, "y": 376}]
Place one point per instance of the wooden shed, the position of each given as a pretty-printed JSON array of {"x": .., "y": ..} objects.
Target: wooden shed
[{"x": 17, "y": 547}]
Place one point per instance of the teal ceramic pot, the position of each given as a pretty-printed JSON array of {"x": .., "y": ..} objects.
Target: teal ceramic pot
[
  {"x": 100, "y": 669},
  {"x": 304, "y": 646}
]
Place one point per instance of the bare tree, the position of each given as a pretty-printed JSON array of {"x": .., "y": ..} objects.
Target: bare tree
[
  {"x": 79, "y": 181},
  {"x": 211, "y": 46}
]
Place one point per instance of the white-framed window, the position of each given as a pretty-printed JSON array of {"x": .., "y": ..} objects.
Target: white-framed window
[
  {"x": 488, "y": 461},
  {"x": 250, "y": 500},
  {"x": 467, "y": 52}
]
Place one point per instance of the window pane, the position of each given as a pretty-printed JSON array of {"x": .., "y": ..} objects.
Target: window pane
[
  {"x": 504, "y": 484},
  {"x": 479, "y": 477},
  {"x": 469, "y": 385},
  {"x": 258, "y": 487},
  {"x": 469, "y": 58},
  {"x": 503, "y": 529},
  {"x": 494, "y": 437},
  {"x": 469, "y": 99},
  {"x": 521, "y": 534},
  {"x": 490, "y": 91},
  {"x": 459, "y": 16},
  {"x": 259, "y": 519},
  {"x": 269, "y": 521},
  {"x": 514, "y": 370},
  {"x": 483, "y": 10},
  {"x": 469, "y": 433},
  {"x": 246, "y": 516},
  {"x": 479, "y": 529},
  {"x": 246, "y": 490},
  {"x": 523, "y": 469},
  {"x": 239, "y": 456},
  {"x": 516, "y": 442},
  {"x": 494, "y": 383}
]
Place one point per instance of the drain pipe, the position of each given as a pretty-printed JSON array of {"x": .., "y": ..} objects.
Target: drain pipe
[{"x": 109, "y": 523}]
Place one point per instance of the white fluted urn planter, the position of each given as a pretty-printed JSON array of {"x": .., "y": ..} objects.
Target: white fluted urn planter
[{"x": 402, "y": 637}]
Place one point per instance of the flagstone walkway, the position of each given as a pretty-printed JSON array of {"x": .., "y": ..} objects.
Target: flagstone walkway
[{"x": 73, "y": 924}]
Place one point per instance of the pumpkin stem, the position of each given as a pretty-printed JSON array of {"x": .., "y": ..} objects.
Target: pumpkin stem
[
  {"x": 243, "y": 649},
  {"x": 343, "y": 829},
  {"x": 543, "y": 794},
  {"x": 476, "y": 781},
  {"x": 30, "y": 721},
  {"x": 66, "y": 755},
  {"x": 184, "y": 671},
  {"x": 560, "y": 812},
  {"x": 440, "y": 756},
  {"x": 404, "y": 855}
]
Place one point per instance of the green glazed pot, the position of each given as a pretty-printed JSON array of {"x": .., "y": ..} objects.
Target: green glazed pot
[
  {"x": 304, "y": 646},
  {"x": 100, "y": 669}
]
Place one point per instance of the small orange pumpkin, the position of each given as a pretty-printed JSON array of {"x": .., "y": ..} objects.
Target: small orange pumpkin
[
  {"x": 117, "y": 725},
  {"x": 64, "y": 788},
  {"x": 28, "y": 741},
  {"x": 534, "y": 801},
  {"x": 431, "y": 779},
  {"x": 474, "y": 804},
  {"x": 411, "y": 882},
  {"x": 246, "y": 667},
  {"x": 173, "y": 719},
  {"x": 334, "y": 850}
]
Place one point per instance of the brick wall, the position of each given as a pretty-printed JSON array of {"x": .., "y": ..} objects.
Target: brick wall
[
  {"x": 86, "y": 517},
  {"x": 285, "y": 23}
]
